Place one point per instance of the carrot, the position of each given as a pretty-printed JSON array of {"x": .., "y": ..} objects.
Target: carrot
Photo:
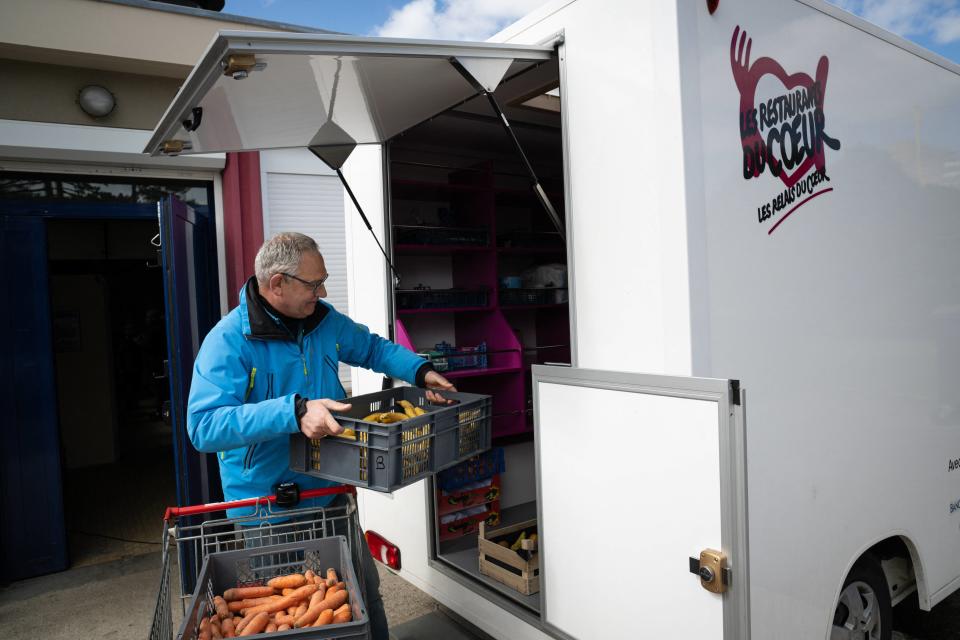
[
  {"x": 271, "y": 627},
  {"x": 228, "y": 628},
  {"x": 279, "y": 605},
  {"x": 248, "y": 603},
  {"x": 283, "y": 627},
  {"x": 309, "y": 616},
  {"x": 309, "y": 575},
  {"x": 221, "y": 606},
  {"x": 316, "y": 598},
  {"x": 302, "y": 609},
  {"x": 330, "y": 602},
  {"x": 241, "y": 625},
  {"x": 291, "y": 581},
  {"x": 320, "y": 581},
  {"x": 337, "y": 599},
  {"x": 326, "y": 617},
  {"x": 341, "y": 585},
  {"x": 287, "y": 591},
  {"x": 205, "y": 632},
  {"x": 331, "y": 577},
  {"x": 256, "y": 625},
  {"x": 334, "y": 589},
  {"x": 241, "y": 593},
  {"x": 345, "y": 607},
  {"x": 285, "y": 618},
  {"x": 343, "y": 616}
]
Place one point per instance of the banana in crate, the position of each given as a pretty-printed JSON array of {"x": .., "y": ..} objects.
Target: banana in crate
[{"x": 416, "y": 455}]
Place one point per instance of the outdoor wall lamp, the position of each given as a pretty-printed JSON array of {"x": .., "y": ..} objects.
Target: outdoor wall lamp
[{"x": 96, "y": 101}]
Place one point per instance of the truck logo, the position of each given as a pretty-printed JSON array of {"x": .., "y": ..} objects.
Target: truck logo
[
  {"x": 783, "y": 134},
  {"x": 953, "y": 465}
]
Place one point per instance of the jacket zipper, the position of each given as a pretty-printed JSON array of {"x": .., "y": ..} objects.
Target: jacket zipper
[{"x": 303, "y": 356}]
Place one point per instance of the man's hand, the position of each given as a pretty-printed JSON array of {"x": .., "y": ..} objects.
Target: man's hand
[
  {"x": 435, "y": 381},
  {"x": 317, "y": 422}
]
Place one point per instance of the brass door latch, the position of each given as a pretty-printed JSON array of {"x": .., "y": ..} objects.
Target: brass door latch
[
  {"x": 239, "y": 65},
  {"x": 711, "y": 568}
]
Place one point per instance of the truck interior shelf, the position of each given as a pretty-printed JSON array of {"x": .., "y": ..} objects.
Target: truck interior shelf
[
  {"x": 416, "y": 249},
  {"x": 471, "y": 373},
  {"x": 462, "y": 554}
]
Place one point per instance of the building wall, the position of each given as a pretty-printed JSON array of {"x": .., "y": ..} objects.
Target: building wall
[
  {"x": 48, "y": 93},
  {"x": 110, "y": 36},
  {"x": 49, "y": 49}
]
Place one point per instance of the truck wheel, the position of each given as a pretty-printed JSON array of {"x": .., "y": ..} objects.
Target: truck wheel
[{"x": 863, "y": 611}]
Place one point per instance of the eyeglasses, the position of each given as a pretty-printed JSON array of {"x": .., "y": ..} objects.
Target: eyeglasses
[{"x": 315, "y": 285}]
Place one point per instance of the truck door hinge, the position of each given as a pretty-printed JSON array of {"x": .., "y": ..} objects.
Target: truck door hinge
[
  {"x": 175, "y": 147},
  {"x": 735, "y": 392},
  {"x": 711, "y": 568},
  {"x": 239, "y": 65}
]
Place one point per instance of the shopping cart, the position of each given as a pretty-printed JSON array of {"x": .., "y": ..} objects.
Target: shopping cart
[{"x": 192, "y": 541}]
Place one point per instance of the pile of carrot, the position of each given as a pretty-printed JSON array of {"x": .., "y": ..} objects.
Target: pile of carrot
[{"x": 286, "y": 602}]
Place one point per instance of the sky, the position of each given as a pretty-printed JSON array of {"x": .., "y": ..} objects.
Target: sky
[{"x": 933, "y": 24}]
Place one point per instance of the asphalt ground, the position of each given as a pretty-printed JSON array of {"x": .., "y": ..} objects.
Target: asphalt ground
[{"x": 117, "y": 599}]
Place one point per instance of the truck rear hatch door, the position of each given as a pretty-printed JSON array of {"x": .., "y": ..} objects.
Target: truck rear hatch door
[{"x": 255, "y": 90}]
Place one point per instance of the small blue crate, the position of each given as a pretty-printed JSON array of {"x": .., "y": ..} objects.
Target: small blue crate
[{"x": 485, "y": 465}]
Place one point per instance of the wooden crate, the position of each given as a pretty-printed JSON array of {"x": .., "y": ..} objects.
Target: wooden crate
[{"x": 519, "y": 574}]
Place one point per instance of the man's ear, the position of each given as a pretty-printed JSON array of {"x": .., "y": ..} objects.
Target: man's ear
[{"x": 274, "y": 284}]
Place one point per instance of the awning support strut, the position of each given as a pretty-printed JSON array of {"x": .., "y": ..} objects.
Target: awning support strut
[
  {"x": 346, "y": 185},
  {"x": 535, "y": 182}
]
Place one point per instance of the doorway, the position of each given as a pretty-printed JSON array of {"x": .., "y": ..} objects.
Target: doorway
[
  {"x": 106, "y": 302},
  {"x": 90, "y": 459}
]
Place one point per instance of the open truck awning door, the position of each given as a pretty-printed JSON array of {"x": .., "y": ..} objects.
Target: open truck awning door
[
  {"x": 255, "y": 90},
  {"x": 641, "y": 485}
]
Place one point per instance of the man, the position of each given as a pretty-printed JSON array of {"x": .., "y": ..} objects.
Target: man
[{"x": 269, "y": 369}]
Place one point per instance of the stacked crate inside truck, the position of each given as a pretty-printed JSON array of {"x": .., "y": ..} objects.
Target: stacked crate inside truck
[{"x": 468, "y": 495}]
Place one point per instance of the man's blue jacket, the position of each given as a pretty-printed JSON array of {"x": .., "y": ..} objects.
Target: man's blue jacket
[{"x": 247, "y": 374}]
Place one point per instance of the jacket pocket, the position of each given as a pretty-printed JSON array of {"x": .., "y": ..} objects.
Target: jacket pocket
[
  {"x": 248, "y": 457},
  {"x": 336, "y": 374}
]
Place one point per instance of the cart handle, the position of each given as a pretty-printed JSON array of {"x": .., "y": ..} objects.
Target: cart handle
[{"x": 175, "y": 512}]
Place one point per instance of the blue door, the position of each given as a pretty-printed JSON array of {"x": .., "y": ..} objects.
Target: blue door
[
  {"x": 32, "y": 535},
  {"x": 185, "y": 247}
]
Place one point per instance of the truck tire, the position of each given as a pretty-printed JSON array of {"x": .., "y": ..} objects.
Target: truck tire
[{"x": 863, "y": 611}]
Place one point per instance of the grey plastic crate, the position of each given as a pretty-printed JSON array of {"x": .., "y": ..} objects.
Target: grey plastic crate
[
  {"x": 222, "y": 571},
  {"x": 386, "y": 457}
]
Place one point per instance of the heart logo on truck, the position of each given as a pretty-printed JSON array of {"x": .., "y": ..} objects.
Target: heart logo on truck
[{"x": 783, "y": 133}]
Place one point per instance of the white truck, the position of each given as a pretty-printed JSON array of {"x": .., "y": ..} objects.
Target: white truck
[{"x": 758, "y": 207}]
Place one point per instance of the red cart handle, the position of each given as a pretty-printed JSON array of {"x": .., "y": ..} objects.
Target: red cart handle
[{"x": 192, "y": 510}]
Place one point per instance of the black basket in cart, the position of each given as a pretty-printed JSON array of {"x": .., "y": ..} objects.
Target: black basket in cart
[
  {"x": 254, "y": 567},
  {"x": 189, "y": 544},
  {"x": 441, "y": 298},
  {"x": 386, "y": 457}
]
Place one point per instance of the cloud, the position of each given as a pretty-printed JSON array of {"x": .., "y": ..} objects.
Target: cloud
[
  {"x": 454, "y": 19},
  {"x": 935, "y": 19},
  {"x": 947, "y": 29}
]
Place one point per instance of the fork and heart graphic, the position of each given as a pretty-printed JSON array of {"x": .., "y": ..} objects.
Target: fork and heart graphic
[{"x": 747, "y": 77}]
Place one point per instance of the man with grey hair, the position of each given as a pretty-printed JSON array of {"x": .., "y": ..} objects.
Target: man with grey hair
[{"x": 269, "y": 368}]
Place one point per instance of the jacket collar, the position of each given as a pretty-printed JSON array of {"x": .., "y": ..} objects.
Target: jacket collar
[{"x": 260, "y": 324}]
